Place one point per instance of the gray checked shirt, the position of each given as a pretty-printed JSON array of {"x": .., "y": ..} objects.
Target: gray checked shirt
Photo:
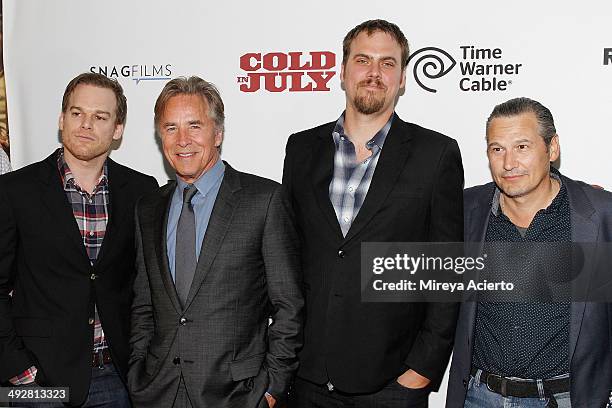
[{"x": 351, "y": 180}]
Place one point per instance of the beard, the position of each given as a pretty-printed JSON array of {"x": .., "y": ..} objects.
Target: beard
[{"x": 367, "y": 101}]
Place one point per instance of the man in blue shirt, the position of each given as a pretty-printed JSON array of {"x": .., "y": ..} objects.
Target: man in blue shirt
[{"x": 217, "y": 258}]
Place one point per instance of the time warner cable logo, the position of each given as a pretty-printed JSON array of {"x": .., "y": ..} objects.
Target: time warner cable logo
[
  {"x": 292, "y": 71},
  {"x": 135, "y": 72},
  {"x": 481, "y": 69}
]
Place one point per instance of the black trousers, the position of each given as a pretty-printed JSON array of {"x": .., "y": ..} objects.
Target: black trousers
[{"x": 305, "y": 394}]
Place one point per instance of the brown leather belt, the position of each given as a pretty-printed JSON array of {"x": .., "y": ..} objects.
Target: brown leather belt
[{"x": 100, "y": 358}]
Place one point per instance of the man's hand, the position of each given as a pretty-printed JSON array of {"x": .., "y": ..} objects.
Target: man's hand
[
  {"x": 412, "y": 379},
  {"x": 271, "y": 400}
]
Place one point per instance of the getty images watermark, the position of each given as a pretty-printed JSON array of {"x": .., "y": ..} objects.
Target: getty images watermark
[{"x": 492, "y": 271}]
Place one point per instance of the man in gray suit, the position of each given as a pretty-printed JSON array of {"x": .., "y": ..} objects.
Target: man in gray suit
[
  {"x": 532, "y": 354},
  {"x": 217, "y": 257}
]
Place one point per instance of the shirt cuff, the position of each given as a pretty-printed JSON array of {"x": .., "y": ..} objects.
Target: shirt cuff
[{"x": 27, "y": 377}]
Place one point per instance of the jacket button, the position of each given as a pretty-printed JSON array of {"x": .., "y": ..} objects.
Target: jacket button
[
  {"x": 183, "y": 321},
  {"x": 91, "y": 320},
  {"x": 341, "y": 253},
  {"x": 176, "y": 361}
]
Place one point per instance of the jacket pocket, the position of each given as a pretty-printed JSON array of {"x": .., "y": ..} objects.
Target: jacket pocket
[
  {"x": 246, "y": 367},
  {"x": 32, "y": 327}
]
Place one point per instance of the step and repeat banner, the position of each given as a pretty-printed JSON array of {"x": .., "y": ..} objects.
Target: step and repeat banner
[{"x": 277, "y": 65}]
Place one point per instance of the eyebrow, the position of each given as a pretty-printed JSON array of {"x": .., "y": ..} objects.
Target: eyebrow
[
  {"x": 385, "y": 58},
  {"x": 514, "y": 142},
  {"x": 191, "y": 122},
  {"x": 99, "y": 112}
]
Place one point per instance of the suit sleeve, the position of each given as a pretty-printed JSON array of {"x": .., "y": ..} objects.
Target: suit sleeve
[
  {"x": 142, "y": 323},
  {"x": 432, "y": 348},
  {"x": 14, "y": 357},
  {"x": 283, "y": 276}
]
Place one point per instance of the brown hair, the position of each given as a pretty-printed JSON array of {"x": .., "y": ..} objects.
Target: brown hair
[
  {"x": 101, "y": 81},
  {"x": 370, "y": 27},
  {"x": 193, "y": 86}
]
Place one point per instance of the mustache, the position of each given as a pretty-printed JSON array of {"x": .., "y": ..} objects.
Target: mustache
[{"x": 372, "y": 82}]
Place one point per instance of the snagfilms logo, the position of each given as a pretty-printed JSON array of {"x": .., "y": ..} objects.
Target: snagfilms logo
[
  {"x": 607, "y": 56},
  {"x": 482, "y": 69},
  {"x": 293, "y": 71},
  {"x": 135, "y": 72}
]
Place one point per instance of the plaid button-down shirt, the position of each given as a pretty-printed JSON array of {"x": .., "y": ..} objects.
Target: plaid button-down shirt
[
  {"x": 91, "y": 214},
  {"x": 351, "y": 180}
]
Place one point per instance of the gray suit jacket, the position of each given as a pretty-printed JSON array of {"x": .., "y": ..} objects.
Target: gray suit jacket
[
  {"x": 221, "y": 343},
  {"x": 591, "y": 323}
]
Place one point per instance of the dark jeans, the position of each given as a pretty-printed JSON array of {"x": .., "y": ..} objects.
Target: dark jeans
[
  {"x": 106, "y": 390},
  {"x": 305, "y": 394}
]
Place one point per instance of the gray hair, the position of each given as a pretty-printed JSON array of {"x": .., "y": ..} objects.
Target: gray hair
[
  {"x": 519, "y": 106},
  {"x": 193, "y": 86}
]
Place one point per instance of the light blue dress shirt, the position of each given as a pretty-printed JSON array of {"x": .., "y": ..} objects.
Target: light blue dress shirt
[{"x": 203, "y": 201}]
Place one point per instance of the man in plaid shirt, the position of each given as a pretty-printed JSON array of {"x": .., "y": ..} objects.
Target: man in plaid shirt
[
  {"x": 66, "y": 253},
  {"x": 370, "y": 177}
]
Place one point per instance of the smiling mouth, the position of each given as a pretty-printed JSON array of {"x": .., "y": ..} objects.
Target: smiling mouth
[{"x": 186, "y": 155}]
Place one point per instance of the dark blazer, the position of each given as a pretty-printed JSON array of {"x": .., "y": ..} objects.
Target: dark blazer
[
  {"x": 221, "y": 343},
  {"x": 591, "y": 323},
  {"x": 415, "y": 195},
  {"x": 44, "y": 262}
]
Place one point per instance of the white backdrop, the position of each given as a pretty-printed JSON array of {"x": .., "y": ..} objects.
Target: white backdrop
[{"x": 560, "y": 49}]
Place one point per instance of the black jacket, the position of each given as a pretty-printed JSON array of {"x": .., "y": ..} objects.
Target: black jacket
[
  {"x": 43, "y": 261},
  {"x": 415, "y": 195}
]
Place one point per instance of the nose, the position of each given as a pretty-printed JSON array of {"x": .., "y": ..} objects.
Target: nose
[
  {"x": 509, "y": 160},
  {"x": 183, "y": 138},
  {"x": 87, "y": 122},
  {"x": 374, "y": 71}
]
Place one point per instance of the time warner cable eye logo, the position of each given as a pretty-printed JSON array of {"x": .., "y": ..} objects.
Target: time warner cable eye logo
[
  {"x": 481, "y": 69},
  {"x": 292, "y": 71},
  {"x": 136, "y": 72}
]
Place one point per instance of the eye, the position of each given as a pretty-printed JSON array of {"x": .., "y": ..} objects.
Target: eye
[
  {"x": 522, "y": 146},
  {"x": 98, "y": 117},
  {"x": 194, "y": 126},
  {"x": 170, "y": 128},
  {"x": 75, "y": 113},
  {"x": 362, "y": 61},
  {"x": 389, "y": 64},
  {"x": 495, "y": 149}
]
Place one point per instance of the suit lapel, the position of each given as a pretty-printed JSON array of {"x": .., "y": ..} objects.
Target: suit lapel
[
  {"x": 475, "y": 229},
  {"x": 53, "y": 197},
  {"x": 220, "y": 220},
  {"x": 394, "y": 155},
  {"x": 117, "y": 184},
  {"x": 583, "y": 230},
  {"x": 322, "y": 173},
  {"x": 162, "y": 210}
]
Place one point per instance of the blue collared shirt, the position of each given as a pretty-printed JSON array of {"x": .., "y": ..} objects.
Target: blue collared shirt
[{"x": 203, "y": 201}]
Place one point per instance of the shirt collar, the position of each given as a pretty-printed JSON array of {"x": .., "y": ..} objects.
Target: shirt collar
[
  {"x": 554, "y": 205},
  {"x": 378, "y": 139},
  {"x": 207, "y": 180},
  {"x": 68, "y": 180}
]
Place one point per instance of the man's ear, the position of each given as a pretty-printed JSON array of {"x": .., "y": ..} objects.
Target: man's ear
[{"x": 118, "y": 132}]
